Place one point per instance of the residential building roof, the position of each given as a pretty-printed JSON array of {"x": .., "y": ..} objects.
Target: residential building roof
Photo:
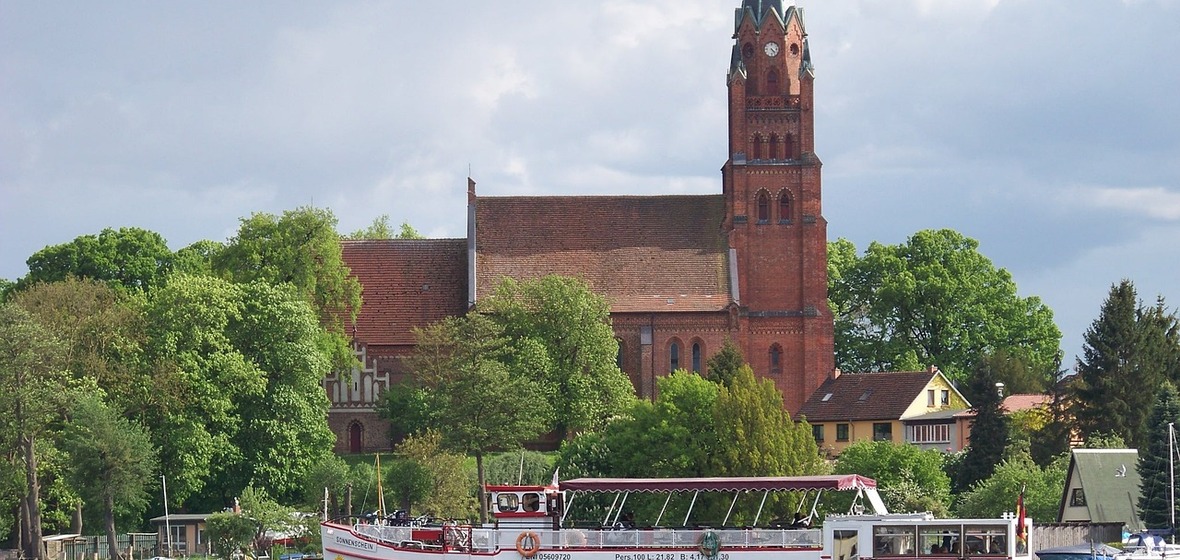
[
  {"x": 1025, "y": 401},
  {"x": 407, "y": 283},
  {"x": 866, "y": 396},
  {"x": 644, "y": 253},
  {"x": 1110, "y": 480}
]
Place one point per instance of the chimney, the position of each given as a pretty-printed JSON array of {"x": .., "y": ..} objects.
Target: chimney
[
  {"x": 932, "y": 368},
  {"x": 470, "y": 190},
  {"x": 1000, "y": 389},
  {"x": 835, "y": 373}
]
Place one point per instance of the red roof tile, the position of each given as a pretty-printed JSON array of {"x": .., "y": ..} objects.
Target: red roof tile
[
  {"x": 1025, "y": 401},
  {"x": 407, "y": 283},
  {"x": 865, "y": 396},
  {"x": 645, "y": 253}
]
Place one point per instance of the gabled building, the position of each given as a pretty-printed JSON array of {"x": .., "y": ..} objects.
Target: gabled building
[
  {"x": 1102, "y": 486},
  {"x": 682, "y": 273},
  {"x": 922, "y": 408}
]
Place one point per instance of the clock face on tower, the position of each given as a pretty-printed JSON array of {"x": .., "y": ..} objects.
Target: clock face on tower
[{"x": 771, "y": 48}]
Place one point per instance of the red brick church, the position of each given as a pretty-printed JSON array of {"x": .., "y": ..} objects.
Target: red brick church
[{"x": 682, "y": 273}]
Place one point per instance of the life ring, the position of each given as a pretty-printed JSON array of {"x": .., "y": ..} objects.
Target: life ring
[
  {"x": 528, "y": 543},
  {"x": 709, "y": 545}
]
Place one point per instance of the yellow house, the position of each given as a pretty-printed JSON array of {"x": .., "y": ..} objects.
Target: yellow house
[{"x": 922, "y": 408}]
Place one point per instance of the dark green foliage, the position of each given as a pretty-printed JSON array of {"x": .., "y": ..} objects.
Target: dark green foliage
[
  {"x": 407, "y": 481},
  {"x": 933, "y": 300},
  {"x": 230, "y": 533},
  {"x": 129, "y": 258},
  {"x": 1128, "y": 351},
  {"x": 723, "y": 366},
  {"x": 197, "y": 258},
  {"x": 997, "y": 494},
  {"x": 989, "y": 429},
  {"x": 1155, "y": 482}
]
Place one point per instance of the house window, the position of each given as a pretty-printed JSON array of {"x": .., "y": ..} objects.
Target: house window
[
  {"x": 882, "y": 431},
  {"x": 1077, "y": 498},
  {"x": 674, "y": 357},
  {"x": 841, "y": 432},
  {"x": 696, "y": 357},
  {"x": 930, "y": 397},
  {"x": 817, "y": 431},
  {"x": 763, "y": 208},
  {"x": 930, "y": 433},
  {"x": 946, "y": 397},
  {"x": 776, "y": 358}
]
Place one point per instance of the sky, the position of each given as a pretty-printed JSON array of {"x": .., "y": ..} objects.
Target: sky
[{"x": 1047, "y": 130}]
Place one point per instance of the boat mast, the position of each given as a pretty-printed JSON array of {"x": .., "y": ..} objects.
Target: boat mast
[{"x": 1172, "y": 476}]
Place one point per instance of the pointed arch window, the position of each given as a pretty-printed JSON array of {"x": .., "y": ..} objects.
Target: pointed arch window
[
  {"x": 763, "y": 208},
  {"x": 758, "y": 147},
  {"x": 356, "y": 432},
  {"x": 772, "y": 82},
  {"x": 789, "y": 147},
  {"x": 776, "y": 358},
  {"x": 774, "y": 147},
  {"x": 784, "y": 207},
  {"x": 696, "y": 357}
]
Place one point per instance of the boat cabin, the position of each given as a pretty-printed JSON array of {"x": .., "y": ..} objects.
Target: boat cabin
[
  {"x": 525, "y": 506},
  {"x": 921, "y": 535}
]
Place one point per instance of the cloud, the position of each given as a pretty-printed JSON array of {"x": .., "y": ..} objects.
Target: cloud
[{"x": 1153, "y": 202}]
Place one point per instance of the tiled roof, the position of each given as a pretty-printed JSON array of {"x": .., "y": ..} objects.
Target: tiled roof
[
  {"x": 1025, "y": 401},
  {"x": 644, "y": 253},
  {"x": 865, "y": 396},
  {"x": 407, "y": 283}
]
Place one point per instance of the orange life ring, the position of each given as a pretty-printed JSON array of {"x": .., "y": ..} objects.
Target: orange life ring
[{"x": 534, "y": 544}]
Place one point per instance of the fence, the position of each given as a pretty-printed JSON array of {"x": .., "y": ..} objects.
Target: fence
[{"x": 1050, "y": 535}]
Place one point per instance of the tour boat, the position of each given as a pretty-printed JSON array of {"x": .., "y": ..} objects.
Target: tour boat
[{"x": 530, "y": 522}]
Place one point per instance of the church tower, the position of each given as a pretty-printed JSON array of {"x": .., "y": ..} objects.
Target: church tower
[{"x": 771, "y": 185}]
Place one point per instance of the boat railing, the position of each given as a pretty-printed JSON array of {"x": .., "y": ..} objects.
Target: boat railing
[{"x": 490, "y": 540}]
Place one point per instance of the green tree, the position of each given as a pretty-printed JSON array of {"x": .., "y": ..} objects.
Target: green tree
[
  {"x": 1121, "y": 367},
  {"x": 989, "y": 428},
  {"x": 485, "y": 407},
  {"x": 130, "y": 258},
  {"x": 197, "y": 258},
  {"x": 524, "y": 467},
  {"x": 1156, "y": 485},
  {"x": 33, "y": 385},
  {"x": 997, "y": 494},
  {"x": 561, "y": 332},
  {"x": 756, "y": 436},
  {"x": 380, "y": 229},
  {"x": 230, "y": 533},
  {"x": 451, "y": 487},
  {"x": 723, "y": 366},
  {"x": 409, "y": 481},
  {"x": 300, "y": 248},
  {"x": 909, "y": 478},
  {"x": 933, "y": 300},
  {"x": 112, "y": 463}
]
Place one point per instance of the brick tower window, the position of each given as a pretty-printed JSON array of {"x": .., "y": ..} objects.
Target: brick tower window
[
  {"x": 772, "y": 83},
  {"x": 674, "y": 356},
  {"x": 789, "y": 145},
  {"x": 774, "y": 147},
  {"x": 696, "y": 357},
  {"x": 776, "y": 358},
  {"x": 763, "y": 207},
  {"x": 759, "y": 148},
  {"x": 784, "y": 207}
]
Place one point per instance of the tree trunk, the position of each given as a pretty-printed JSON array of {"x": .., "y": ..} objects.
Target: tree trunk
[
  {"x": 76, "y": 522},
  {"x": 108, "y": 515},
  {"x": 483, "y": 500},
  {"x": 348, "y": 502},
  {"x": 32, "y": 548}
]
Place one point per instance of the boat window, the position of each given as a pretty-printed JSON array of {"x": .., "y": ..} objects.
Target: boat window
[
  {"x": 893, "y": 540},
  {"x": 506, "y": 502},
  {"x": 532, "y": 501},
  {"x": 939, "y": 541},
  {"x": 986, "y": 540},
  {"x": 844, "y": 545}
]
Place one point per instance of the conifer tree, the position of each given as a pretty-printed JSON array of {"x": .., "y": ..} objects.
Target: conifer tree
[
  {"x": 989, "y": 429},
  {"x": 724, "y": 365},
  {"x": 1155, "y": 481},
  {"x": 1127, "y": 351}
]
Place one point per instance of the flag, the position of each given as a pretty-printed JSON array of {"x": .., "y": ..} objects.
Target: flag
[
  {"x": 1021, "y": 514},
  {"x": 554, "y": 483}
]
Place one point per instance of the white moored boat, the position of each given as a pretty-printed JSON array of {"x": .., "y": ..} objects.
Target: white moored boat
[{"x": 530, "y": 522}]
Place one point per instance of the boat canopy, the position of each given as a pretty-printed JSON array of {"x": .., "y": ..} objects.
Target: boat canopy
[{"x": 721, "y": 484}]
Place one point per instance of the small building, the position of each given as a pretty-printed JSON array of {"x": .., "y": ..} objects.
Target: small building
[
  {"x": 188, "y": 534},
  {"x": 1102, "y": 486},
  {"x": 922, "y": 408}
]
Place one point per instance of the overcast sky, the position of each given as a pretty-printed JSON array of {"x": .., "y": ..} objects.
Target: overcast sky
[{"x": 1048, "y": 130}]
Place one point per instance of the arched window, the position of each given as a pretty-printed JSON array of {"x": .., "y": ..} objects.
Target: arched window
[
  {"x": 356, "y": 431},
  {"x": 696, "y": 357},
  {"x": 776, "y": 358},
  {"x": 784, "y": 207},
  {"x": 774, "y": 148},
  {"x": 674, "y": 356},
  {"x": 758, "y": 147},
  {"x": 789, "y": 145},
  {"x": 772, "y": 83},
  {"x": 763, "y": 207}
]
